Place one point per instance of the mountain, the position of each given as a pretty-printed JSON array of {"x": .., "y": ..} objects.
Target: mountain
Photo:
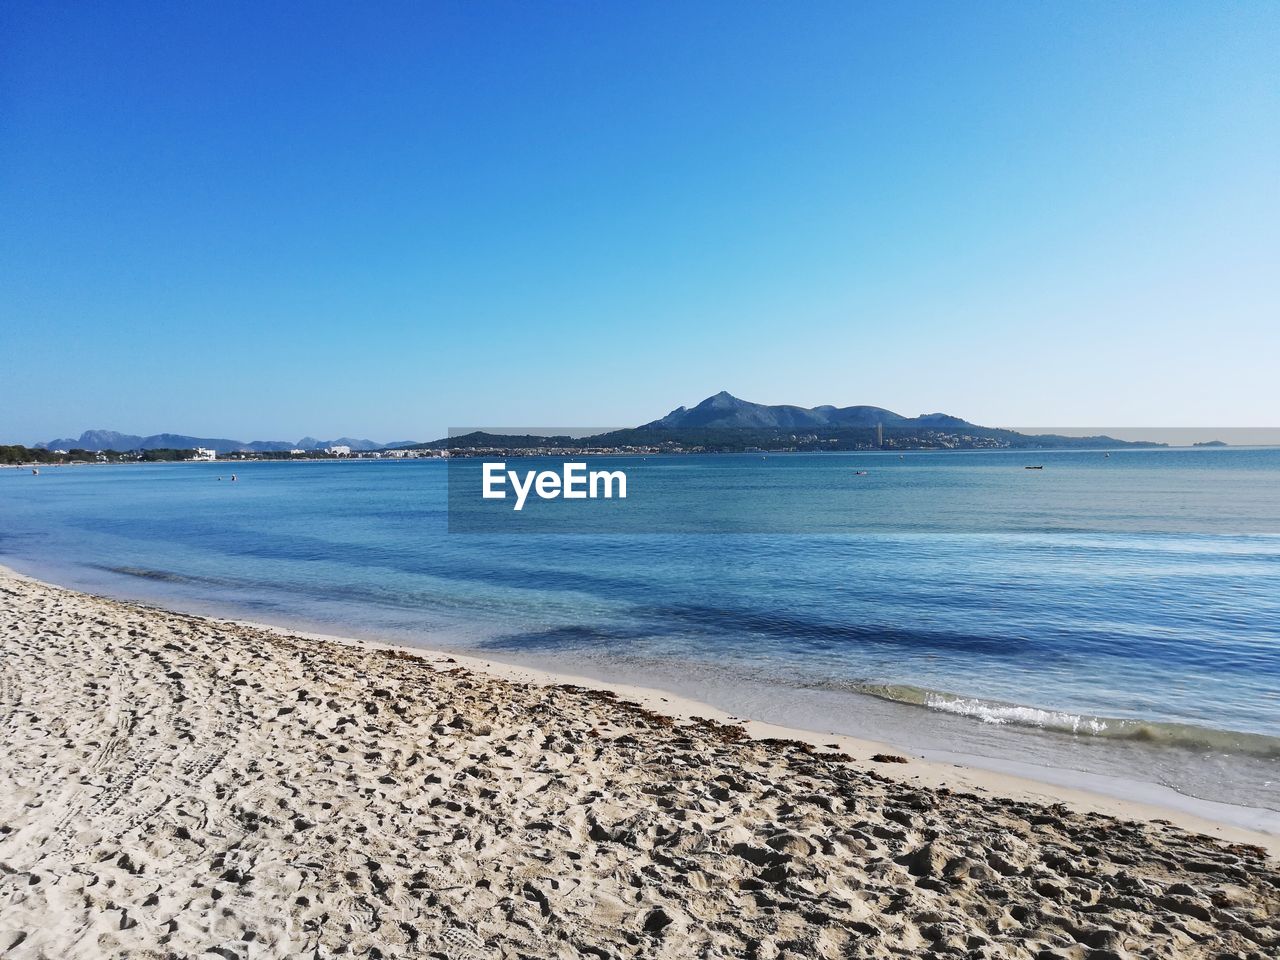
[
  {"x": 507, "y": 441},
  {"x": 720, "y": 422},
  {"x": 111, "y": 440},
  {"x": 725, "y": 423},
  {"x": 311, "y": 443},
  {"x": 726, "y": 410},
  {"x": 95, "y": 440}
]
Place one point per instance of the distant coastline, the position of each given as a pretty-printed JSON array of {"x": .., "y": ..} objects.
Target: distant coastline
[
  {"x": 722, "y": 423},
  {"x": 33, "y": 458}
]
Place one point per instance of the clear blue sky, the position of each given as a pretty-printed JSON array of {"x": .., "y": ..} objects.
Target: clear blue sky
[{"x": 269, "y": 219}]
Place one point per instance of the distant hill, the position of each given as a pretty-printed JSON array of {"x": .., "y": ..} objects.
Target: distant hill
[
  {"x": 721, "y": 422},
  {"x": 311, "y": 443},
  {"x": 111, "y": 440},
  {"x": 726, "y": 410},
  {"x": 479, "y": 439},
  {"x": 724, "y": 423}
]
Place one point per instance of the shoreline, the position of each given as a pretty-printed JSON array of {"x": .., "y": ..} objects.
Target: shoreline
[
  {"x": 920, "y": 768},
  {"x": 178, "y": 785},
  {"x": 1018, "y": 780}
]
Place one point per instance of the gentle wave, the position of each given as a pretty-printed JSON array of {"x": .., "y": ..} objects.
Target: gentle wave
[
  {"x": 144, "y": 573},
  {"x": 996, "y": 712}
]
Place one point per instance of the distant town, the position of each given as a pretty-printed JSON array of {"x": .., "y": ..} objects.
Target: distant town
[
  {"x": 14, "y": 455},
  {"x": 493, "y": 446}
]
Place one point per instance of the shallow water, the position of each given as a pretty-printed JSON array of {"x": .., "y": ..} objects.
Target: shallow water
[{"x": 1119, "y": 615}]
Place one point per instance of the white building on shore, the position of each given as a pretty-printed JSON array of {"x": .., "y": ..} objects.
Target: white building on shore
[
  {"x": 339, "y": 450},
  {"x": 203, "y": 453}
]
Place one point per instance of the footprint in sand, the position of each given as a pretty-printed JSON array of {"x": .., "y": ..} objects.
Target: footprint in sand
[
  {"x": 460, "y": 944},
  {"x": 10, "y": 696}
]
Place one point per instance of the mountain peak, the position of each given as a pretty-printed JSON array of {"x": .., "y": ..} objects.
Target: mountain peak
[
  {"x": 723, "y": 409},
  {"x": 724, "y": 400}
]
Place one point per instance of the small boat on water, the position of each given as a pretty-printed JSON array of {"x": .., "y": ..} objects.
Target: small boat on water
[
  {"x": 859, "y": 473},
  {"x": 1040, "y": 467}
]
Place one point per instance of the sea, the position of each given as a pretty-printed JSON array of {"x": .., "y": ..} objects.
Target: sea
[{"x": 1109, "y": 620}]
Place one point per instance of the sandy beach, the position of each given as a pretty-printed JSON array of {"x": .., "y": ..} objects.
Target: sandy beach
[{"x": 175, "y": 786}]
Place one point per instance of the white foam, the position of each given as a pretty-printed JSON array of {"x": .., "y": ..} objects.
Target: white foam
[{"x": 1001, "y": 713}]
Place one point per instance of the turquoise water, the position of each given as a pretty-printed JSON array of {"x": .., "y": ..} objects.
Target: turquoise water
[{"x": 1118, "y": 615}]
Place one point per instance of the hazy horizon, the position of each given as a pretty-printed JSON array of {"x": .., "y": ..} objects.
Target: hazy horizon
[{"x": 266, "y": 222}]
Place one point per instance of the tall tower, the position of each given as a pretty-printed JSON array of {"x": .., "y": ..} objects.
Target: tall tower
[{"x": 880, "y": 435}]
